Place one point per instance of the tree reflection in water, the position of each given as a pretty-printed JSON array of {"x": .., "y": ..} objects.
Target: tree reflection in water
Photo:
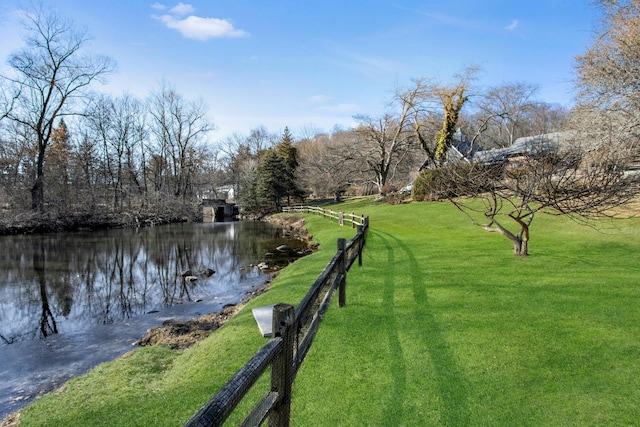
[
  {"x": 47, "y": 321},
  {"x": 89, "y": 278}
]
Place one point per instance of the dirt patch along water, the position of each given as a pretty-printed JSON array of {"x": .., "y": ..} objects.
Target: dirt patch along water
[{"x": 179, "y": 334}]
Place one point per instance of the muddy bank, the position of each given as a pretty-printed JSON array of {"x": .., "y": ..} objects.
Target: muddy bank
[
  {"x": 179, "y": 334},
  {"x": 293, "y": 225}
]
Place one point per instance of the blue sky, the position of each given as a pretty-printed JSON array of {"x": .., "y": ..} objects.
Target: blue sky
[{"x": 315, "y": 64}]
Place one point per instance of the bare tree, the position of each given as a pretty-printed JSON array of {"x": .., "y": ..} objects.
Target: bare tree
[
  {"x": 543, "y": 117},
  {"x": 48, "y": 76},
  {"x": 384, "y": 144},
  {"x": 84, "y": 166},
  {"x": 178, "y": 127},
  {"x": 503, "y": 113},
  {"x": 118, "y": 124},
  {"x": 329, "y": 164},
  {"x": 260, "y": 139},
  {"x": 609, "y": 71}
]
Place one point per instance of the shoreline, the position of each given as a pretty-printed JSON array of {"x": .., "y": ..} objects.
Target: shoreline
[{"x": 181, "y": 334}]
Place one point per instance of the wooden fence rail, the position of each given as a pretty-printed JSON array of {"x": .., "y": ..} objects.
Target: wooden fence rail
[
  {"x": 340, "y": 216},
  {"x": 292, "y": 335}
]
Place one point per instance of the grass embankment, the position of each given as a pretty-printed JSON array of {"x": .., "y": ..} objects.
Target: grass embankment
[{"x": 442, "y": 326}]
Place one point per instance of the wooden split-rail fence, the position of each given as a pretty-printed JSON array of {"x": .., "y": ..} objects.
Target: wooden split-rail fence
[
  {"x": 293, "y": 333},
  {"x": 340, "y": 216}
]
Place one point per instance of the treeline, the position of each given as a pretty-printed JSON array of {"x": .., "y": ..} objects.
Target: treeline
[
  {"x": 70, "y": 154},
  {"x": 121, "y": 155}
]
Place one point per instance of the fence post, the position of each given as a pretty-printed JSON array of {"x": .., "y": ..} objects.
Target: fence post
[
  {"x": 342, "y": 270},
  {"x": 282, "y": 367},
  {"x": 360, "y": 235},
  {"x": 341, "y": 218},
  {"x": 353, "y": 224}
]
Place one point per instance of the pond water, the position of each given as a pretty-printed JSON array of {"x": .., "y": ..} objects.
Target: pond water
[{"x": 69, "y": 301}]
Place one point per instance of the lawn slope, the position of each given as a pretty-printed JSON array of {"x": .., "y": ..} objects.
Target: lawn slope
[{"x": 442, "y": 326}]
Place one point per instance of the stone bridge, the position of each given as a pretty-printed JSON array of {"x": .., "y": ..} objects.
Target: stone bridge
[{"x": 215, "y": 210}]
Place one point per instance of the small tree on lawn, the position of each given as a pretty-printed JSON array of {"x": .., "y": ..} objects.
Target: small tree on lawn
[{"x": 582, "y": 180}]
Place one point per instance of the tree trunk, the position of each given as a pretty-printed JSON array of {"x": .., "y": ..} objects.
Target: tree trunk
[
  {"x": 37, "y": 191},
  {"x": 521, "y": 247},
  {"x": 37, "y": 195},
  {"x": 520, "y": 241}
]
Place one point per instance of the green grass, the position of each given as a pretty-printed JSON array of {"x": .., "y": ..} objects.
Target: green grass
[{"x": 443, "y": 326}]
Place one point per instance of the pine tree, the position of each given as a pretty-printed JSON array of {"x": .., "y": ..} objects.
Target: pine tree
[
  {"x": 273, "y": 179},
  {"x": 287, "y": 152},
  {"x": 288, "y": 155}
]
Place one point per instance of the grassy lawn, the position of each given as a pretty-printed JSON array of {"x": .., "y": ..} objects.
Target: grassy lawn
[{"x": 443, "y": 326}]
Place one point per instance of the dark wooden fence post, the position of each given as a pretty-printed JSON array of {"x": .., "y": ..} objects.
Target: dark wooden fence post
[
  {"x": 360, "y": 235},
  {"x": 282, "y": 369},
  {"x": 342, "y": 270}
]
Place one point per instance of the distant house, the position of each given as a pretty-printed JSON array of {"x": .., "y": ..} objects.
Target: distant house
[
  {"x": 526, "y": 146},
  {"x": 225, "y": 192},
  {"x": 523, "y": 148},
  {"x": 228, "y": 191},
  {"x": 461, "y": 149}
]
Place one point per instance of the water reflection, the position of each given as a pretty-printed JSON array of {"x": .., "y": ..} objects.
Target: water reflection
[
  {"x": 47, "y": 321},
  {"x": 70, "y": 282}
]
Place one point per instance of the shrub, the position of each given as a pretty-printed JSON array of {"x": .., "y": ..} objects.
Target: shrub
[{"x": 429, "y": 185}]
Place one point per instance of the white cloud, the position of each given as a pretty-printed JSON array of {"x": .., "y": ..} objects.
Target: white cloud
[
  {"x": 195, "y": 27},
  {"x": 514, "y": 24},
  {"x": 182, "y": 9}
]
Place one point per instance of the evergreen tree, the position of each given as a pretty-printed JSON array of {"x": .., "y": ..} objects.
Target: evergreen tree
[
  {"x": 287, "y": 152},
  {"x": 273, "y": 179},
  {"x": 288, "y": 155}
]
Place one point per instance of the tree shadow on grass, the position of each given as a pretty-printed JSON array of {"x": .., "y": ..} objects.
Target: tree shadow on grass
[
  {"x": 394, "y": 408},
  {"x": 450, "y": 380}
]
